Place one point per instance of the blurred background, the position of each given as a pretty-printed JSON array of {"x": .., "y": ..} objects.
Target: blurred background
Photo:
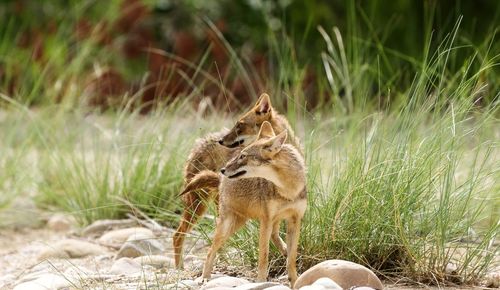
[{"x": 108, "y": 53}]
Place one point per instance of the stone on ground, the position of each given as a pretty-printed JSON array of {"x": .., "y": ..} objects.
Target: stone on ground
[
  {"x": 140, "y": 245},
  {"x": 120, "y": 236},
  {"x": 21, "y": 213},
  {"x": 256, "y": 286},
  {"x": 225, "y": 281},
  {"x": 492, "y": 279},
  {"x": 44, "y": 282},
  {"x": 344, "y": 273},
  {"x": 157, "y": 261},
  {"x": 279, "y": 287},
  {"x": 125, "y": 266},
  {"x": 60, "y": 222},
  {"x": 101, "y": 226},
  {"x": 327, "y": 283},
  {"x": 71, "y": 248}
]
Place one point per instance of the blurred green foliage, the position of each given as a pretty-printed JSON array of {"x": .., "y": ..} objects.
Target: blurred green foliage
[{"x": 392, "y": 38}]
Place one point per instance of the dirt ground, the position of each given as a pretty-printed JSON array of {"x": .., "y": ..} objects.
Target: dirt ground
[{"x": 19, "y": 249}]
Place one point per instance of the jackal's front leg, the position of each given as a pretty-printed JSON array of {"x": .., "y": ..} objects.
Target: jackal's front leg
[
  {"x": 292, "y": 240},
  {"x": 227, "y": 224},
  {"x": 266, "y": 228}
]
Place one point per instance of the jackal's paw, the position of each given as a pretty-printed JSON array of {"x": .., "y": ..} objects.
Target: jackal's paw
[{"x": 201, "y": 280}]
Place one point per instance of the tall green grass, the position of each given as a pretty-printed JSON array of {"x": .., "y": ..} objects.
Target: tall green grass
[
  {"x": 409, "y": 191},
  {"x": 87, "y": 163}
]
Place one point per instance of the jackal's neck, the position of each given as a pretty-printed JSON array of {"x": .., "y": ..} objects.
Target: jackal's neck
[
  {"x": 288, "y": 172},
  {"x": 280, "y": 123}
]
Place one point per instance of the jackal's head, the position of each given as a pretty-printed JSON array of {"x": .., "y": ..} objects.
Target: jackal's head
[
  {"x": 246, "y": 129},
  {"x": 255, "y": 160}
]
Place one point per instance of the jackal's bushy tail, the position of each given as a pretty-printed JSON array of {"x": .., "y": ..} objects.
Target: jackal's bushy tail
[{"x": 205, "y": 179}]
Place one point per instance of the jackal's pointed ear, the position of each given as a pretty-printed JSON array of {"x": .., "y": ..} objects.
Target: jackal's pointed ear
[
  {"x": 263, "y": 105},
  {"x": 275, "y": 144},
  {"x": 266, "y": 131}
]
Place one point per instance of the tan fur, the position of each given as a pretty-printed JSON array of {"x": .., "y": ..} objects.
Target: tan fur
[
  {"x": 206, "y": 156},
  {"x": 248, "y": 192},
  {"x": 205, "y": 179},
  {"x": 211, "y": 153}
]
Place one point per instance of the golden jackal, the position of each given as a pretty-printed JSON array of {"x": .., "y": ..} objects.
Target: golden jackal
[
  {"x": 265, "y": 181},
  {"x": 212, "y": 152}
]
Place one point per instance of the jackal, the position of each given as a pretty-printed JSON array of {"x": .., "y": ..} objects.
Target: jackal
[
  {"x": 212, "y": 152},
  {"x": 266, "y": 181}
]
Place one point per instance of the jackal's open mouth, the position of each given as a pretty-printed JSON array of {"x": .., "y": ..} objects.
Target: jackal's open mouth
[
  {"x": 236, "y": 144},
  {"x": 238, "y": 174}
]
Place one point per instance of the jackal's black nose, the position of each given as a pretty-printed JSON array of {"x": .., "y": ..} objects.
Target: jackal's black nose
[
  {"x": 223, "y": 170},
  {"x": 221, "y": 142}
]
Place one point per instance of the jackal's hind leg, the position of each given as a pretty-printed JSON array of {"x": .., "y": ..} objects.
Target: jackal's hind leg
[
  {"x": 277, "y": 240},
  {"x": 195, "y": 207}
]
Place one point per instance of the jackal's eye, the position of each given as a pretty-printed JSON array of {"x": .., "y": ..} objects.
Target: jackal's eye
[{"x": 242, "y": 156}]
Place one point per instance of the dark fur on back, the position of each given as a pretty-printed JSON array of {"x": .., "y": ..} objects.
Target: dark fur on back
[{"x": 208, "y": 154}]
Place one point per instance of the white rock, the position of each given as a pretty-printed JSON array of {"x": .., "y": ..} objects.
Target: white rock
[
  {"x": 492, "y": 279},
  {"x": 313, "y": 287},
  {"x": 189, "y": 283},
  {"x": 184, "y": 284},
  {"x": 362, "y": 288},
  {"x": 21, "y": 213},
  {"x": 451, "y": 269},
  {"x": 60, "y": 222},
  {"x": 156, "y": 261},
  {"x": 344, "y": 273},
  {"x": 125, "y": 266},
  {"x": 7, "y": 280},
  {"x": 225, "y": 281},
  {"x": 327, "y": 283},
  {"x": 140, "y": 245},
  {"x": 101, "y": 226},
  {"x": 256, "y": 286},
  {"x": 279, "y": 287},
  {"x": 44, "y": 282},
  {"x": 71, "y": 248},
  {"x": 120, "y": 236}
]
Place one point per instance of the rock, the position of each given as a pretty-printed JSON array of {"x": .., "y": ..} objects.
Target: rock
[
  {"x": 312, "y": 287},
  {"x": 451, "y": 269},
  {"x": 125, "y": 266},
  {"x": 71, "y": 248},
  {"x": 279, "y": 287},
  {"x": 256, "y": 286},
  {"x": 156, "y": 261},
  {"x": 189, "y": 284},
  {"x": 118, "y": 237},
  {"x": 44, "y": 282},
  {"x": 492, "y": 279},
  {"x": 192, "y": 258},
  {"x": 101, "y": 226},
  {"x": 362, "y": 288},
  {"x": 60, "y": 222},
  {"x": 140, "y": 245},
  {"x": 327, "y": 283},
  {"x": 21, "y": 213},
  {"x": 8, "y": 279},
  {"x": 225, "y": 281},
  {"x": 184, "y": 284},
  {"x": 344, "y": 273}
]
